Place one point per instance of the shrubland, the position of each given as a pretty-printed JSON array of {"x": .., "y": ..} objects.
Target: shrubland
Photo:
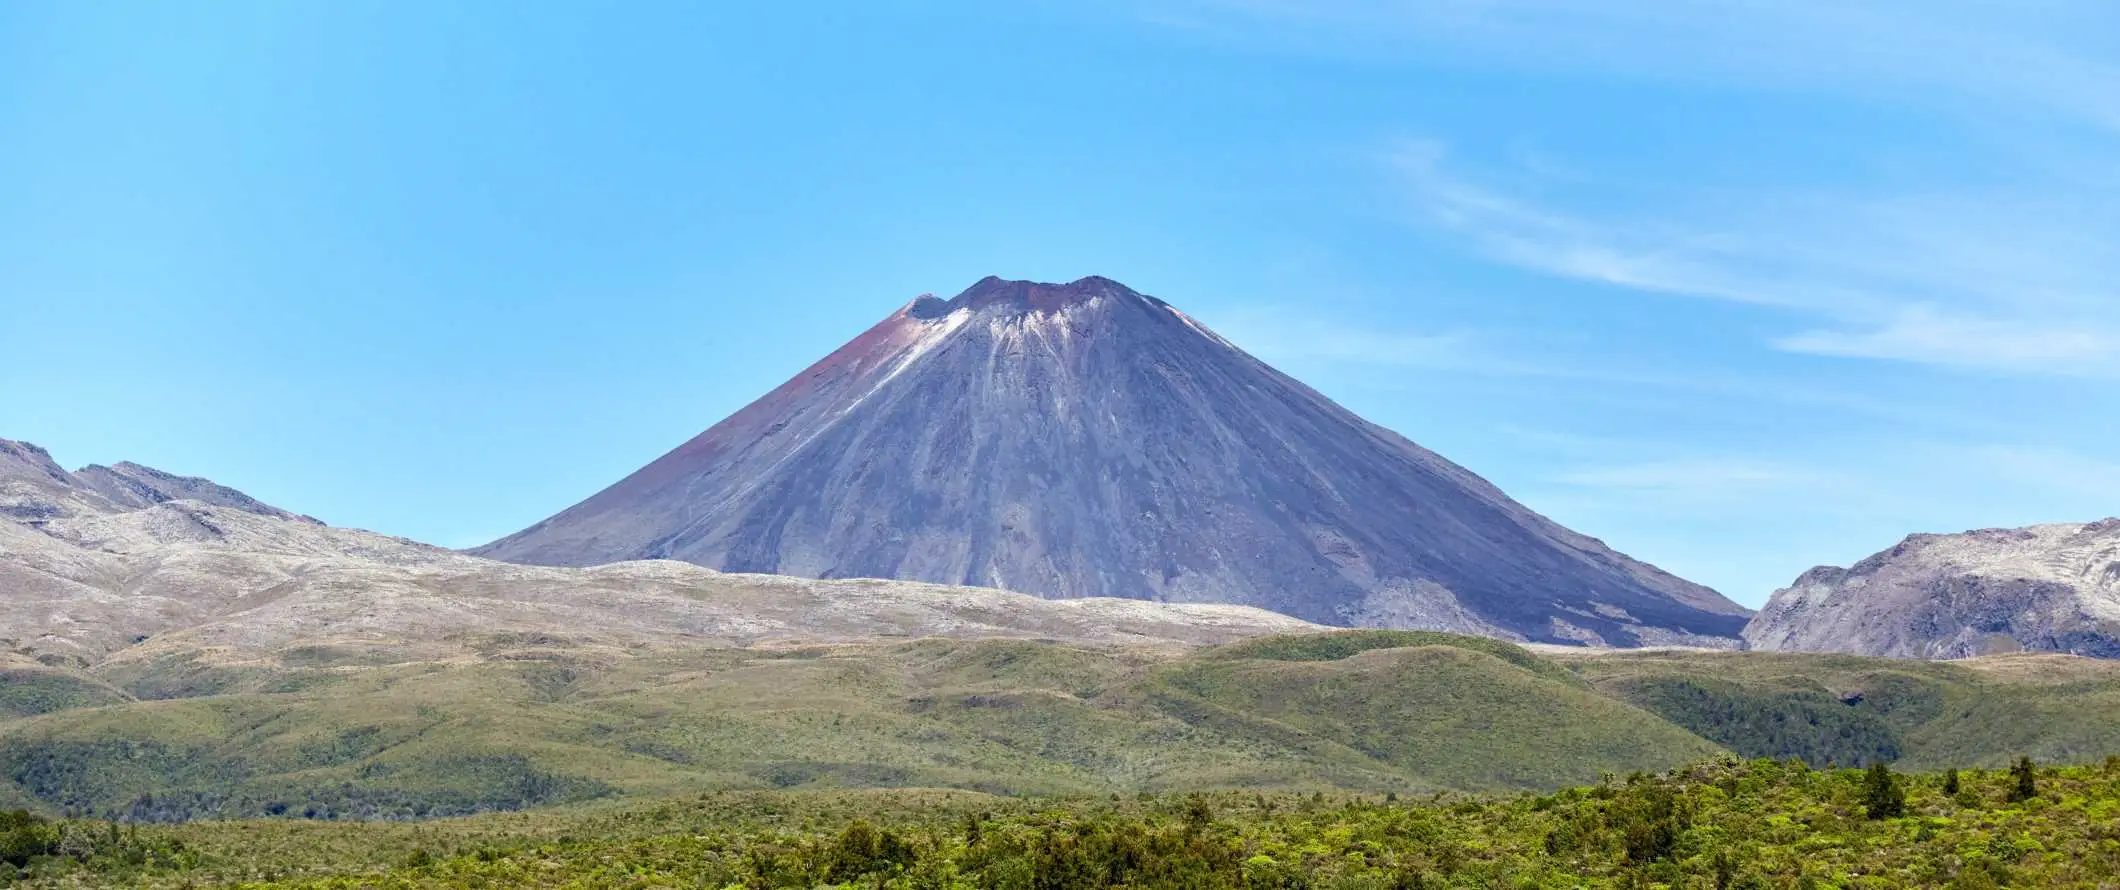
[{"x": 1728, "y": 824}]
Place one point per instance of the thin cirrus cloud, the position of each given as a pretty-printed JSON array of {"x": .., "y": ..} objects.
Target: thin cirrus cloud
[
  {"x": 2013, "y": 275},
  {"x": 1719, "y": 475},
  {"x": 1300, "y": 340},
  {"x": 1969, "y": 281},
  {"x": 1922, "y": 334}
]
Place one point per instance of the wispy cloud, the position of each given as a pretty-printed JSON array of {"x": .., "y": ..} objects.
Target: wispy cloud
[
  {"x": 1693, "y": 476},
  {"x": 2014, "y": 273},
  {"x": 1311, "y": 339},
  {"x": 1921, "y": 333},
  {"x": 2002, "y": 283},
  {"x": 1643, "y": 255}
]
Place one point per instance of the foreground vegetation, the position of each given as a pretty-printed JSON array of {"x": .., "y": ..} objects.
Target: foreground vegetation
[
  {"x": 1752, "y": 824},
  {"x": 350, "y": 733}
]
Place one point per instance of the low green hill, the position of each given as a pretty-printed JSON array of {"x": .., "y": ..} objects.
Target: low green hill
[
  {"x": 29, "y": 689},
  {"x": 534, "y": 725},
  {"x": 1851, "y": 710},
  {"x": 1465, "y": 717},
  {"x": 332, "y": 733}
]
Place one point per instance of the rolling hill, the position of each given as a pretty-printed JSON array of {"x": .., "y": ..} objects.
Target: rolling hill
[{"x": 511, "y": 721}]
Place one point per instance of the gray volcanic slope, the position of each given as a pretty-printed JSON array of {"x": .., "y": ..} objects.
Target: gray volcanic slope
[
  {"x": 2051, "y": 588},
  {"x": 33, "y": 487},
  {"x": 92, "y": 580},
  {"x": 1086, "y": 440},
  {"x": 135, "y": 486}
]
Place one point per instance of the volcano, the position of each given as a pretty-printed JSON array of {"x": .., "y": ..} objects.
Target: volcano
[{"x": 1083, "y": 439}]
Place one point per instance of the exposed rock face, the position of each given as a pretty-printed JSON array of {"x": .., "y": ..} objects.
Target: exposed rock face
[
  {"x": 2049, "y": 588},
  {"x": 27, "y": 462},
  {"x": 33, "y": 487},
  {"x": 1086, "y": 440},
  {"x": 134, "y": 486}
]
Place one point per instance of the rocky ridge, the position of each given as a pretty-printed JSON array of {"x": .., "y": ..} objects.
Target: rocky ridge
[
  {"x": 35, "y": 488},
  {"x": 84, "y": 580},
  {"x": 2047, "y": 588}
]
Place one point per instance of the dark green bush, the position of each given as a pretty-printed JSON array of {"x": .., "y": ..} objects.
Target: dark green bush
[
  {"x": 24, "y": 836},
  {"x": 1882, "y": 797}
]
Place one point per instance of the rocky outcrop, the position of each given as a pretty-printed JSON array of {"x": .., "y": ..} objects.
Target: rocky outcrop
[
  {"x": 134, "y": 486},
  {"x": 2049, "y": 588},
  {"x": 1086, "y": 440},
  {"x": 34, "y": 488}
]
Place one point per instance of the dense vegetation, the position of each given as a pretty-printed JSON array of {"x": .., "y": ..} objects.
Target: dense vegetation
[
  {"x": 1808, "y": 724},
  {"x": 29, "y": 691},
  {"x": 1852, "y": 711},
  {"x": 1752, "y": 824}
]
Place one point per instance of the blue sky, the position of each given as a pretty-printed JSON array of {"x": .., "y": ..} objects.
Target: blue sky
[{"x": 1741, "y": 286}]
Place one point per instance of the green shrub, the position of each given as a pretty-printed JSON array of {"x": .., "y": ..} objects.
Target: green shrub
[
  {"x": 1882, "y": 798},
  {"x": 2024, "y": 781},
  {"x": 863, "y": 850},
  {"x": 24, "y": 836}
]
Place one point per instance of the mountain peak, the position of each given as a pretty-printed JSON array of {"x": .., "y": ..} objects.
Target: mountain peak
[
  {"x": 1083, "y": 439},
  {"x": 34, "y": 486},
  {"x": 23, "y": 459},
  {"x": 1023, "y": 297}
]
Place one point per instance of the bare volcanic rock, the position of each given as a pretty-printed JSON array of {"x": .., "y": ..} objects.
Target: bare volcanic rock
[
  {"x": 22, "y": 460},
  {"x": 33, "y": 487},
  {"x": 134, "y": 486},
  {"x": 1085, "y": 440},
  {"x": 2049, "y": 588}
]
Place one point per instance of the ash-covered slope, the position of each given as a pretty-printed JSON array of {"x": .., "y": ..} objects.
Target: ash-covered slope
[
  {"x": 1086, "y": 440},
  {"x": 33, "y": 487},
  {"x": 86, "y": 579},
  {"x": 2048, "y": 588},
  {"x": 136, "y": 487},
  {"x": 183, "y": 576}
]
